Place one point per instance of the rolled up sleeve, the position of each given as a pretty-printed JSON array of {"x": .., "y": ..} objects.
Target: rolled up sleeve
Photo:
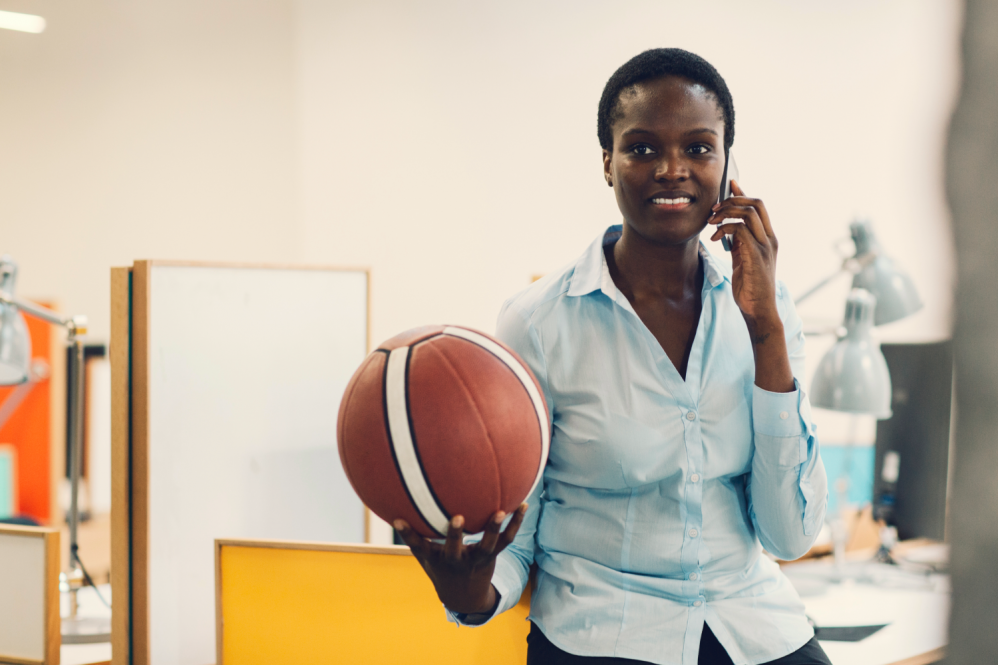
[{"x": 788, "y": 488}]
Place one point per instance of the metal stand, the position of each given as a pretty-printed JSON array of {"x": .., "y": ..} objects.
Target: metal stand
[{"x": 76, "y": 629}]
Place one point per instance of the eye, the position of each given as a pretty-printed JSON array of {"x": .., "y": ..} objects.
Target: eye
[
  {"x": 642, "y": 150},
  {"x": 699, "y": 149}
]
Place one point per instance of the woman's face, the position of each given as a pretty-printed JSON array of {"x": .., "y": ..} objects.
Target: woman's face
[{"x": 667, "y": 160}]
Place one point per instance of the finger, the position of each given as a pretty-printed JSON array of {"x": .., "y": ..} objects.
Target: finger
[
  {"x": 758, "y": 205},
  {"x": 747, "y": 214},
  {"x": 415, "y": 541},
  {"x": 740, "y": 233},
  {"x": 455, "y": 538},
  {"x": 512, "y": 528},
  {"x": 488, "y": 542}
]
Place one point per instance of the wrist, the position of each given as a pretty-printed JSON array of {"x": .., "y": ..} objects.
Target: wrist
[
  {"x": 763, "y": 326},
  {"x": 485, "y": 605}
]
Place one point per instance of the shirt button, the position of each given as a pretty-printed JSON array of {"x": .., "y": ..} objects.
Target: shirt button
[
  {"x": 697, "y": 603},
  {"x": 695, "y": 478},
  {"x": 693, "y": 533},
  {"x": 690, "y": 415},
  {"x": 784, "y": 415},
  {"x": 693, "y": 576}
]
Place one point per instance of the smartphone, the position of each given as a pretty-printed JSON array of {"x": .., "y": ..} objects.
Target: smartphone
[{"x": 730, "y": 173}]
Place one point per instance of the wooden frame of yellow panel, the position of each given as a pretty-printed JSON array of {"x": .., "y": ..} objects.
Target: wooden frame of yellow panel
[
  {"x": 280, "y": 601},
  {"x": 53, "y": 625}
]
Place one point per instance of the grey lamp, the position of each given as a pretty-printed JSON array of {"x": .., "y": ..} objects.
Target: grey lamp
[
  {"x": 15, "y": 357},
  {"x": 15, "y": 344},
  {"x": 853, "y": 376},
  {"x": 877, "y": 273}
]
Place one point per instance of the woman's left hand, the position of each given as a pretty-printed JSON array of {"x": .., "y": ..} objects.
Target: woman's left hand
[{"x": 753, "y": 254}]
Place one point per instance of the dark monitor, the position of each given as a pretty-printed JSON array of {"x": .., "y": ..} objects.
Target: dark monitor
[{"x": 919, "y": 431}]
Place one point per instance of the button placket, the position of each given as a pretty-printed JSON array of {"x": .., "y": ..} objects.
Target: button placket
[{"x": 693, "y": 498}]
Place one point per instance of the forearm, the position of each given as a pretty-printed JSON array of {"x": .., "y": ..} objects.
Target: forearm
[{"x": 769, "y": 347}]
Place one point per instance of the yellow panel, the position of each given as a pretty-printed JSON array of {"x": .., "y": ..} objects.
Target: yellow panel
[{"x": 312, "y": 606}]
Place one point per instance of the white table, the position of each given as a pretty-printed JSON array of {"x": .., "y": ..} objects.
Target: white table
[
  {"x": 90, "y": 606},
  {"x": 915, "y": 607}
]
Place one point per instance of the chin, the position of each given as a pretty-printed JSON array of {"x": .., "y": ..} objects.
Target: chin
[{"x": 668, "y": 233}]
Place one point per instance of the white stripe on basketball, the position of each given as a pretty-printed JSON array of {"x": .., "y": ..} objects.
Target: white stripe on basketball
[
  {"x": 405, "y": 451},
  {"x": 525, "y": 379}
]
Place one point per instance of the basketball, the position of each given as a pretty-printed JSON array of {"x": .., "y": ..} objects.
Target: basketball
[{"x": 442, "y": 421}]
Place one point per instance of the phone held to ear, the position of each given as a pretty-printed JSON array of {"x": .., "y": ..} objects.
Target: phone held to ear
[{"x": 730, "y": 173}]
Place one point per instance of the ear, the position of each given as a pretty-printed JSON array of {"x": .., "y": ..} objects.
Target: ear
[{"x": 608, "y": 166}]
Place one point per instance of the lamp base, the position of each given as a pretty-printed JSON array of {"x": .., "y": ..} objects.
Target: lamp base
[{"x": 86, "y": 630}]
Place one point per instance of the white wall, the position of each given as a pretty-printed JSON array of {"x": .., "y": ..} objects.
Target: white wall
[
  {"x": 448, "y": 145},
  {"x": 452, "y": 147},
  {"x": 144, "y": 130}
]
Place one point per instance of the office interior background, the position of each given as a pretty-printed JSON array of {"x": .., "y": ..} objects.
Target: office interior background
[{"x": 451, "y": 146}]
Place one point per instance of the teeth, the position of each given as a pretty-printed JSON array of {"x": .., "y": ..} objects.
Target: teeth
[{"x": 670, "y": 202}]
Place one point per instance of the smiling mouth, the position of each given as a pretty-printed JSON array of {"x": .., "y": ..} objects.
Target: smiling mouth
[{"x": 672, "y": 203}]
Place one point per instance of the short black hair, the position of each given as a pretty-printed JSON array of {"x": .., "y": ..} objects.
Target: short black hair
[{"x": 654, "y": 64}]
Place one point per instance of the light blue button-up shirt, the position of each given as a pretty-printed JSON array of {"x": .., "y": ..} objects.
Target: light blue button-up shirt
[{"x": 658, "y": 491}]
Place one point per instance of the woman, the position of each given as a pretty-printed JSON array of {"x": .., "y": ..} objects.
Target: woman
[{"x": 681, "y": 440}]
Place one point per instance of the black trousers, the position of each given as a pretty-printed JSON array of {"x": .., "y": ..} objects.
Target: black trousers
[{"x": 540, "y": 651}]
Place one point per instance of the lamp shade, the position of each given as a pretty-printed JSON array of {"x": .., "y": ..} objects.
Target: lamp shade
[
  {"x": 15, "y": 344},
  {"x": 853, "y": 375},
  {"x": 893, "y": 288}
]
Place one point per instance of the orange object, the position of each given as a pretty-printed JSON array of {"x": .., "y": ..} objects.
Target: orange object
[{"x": 29, "y": 430}]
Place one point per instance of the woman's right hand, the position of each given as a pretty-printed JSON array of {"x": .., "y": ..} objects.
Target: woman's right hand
[{"x": 462, "y": 573}]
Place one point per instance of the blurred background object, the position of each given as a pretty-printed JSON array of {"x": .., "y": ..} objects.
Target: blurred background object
[{"x": 971, "y": 174}]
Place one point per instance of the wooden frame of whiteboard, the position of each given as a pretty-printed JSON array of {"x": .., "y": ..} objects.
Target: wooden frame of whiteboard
[
  {"x": 53, "y": 623},
  {"x": 129, "y": 354}
]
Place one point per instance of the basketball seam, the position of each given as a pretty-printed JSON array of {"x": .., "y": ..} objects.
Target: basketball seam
[
  {"x": 540, "y": 405},
  {"x": 391, "y": 443},
  {"x": 415, "y": 443},
  {"x": 481, "y": 420},
  {"x": 540, "y": 423}
]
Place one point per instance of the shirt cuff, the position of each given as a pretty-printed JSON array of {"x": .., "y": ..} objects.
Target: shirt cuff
[{"x": 777, "y": 414}]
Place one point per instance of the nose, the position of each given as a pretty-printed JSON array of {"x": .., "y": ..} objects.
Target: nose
[{"x": 673, "y": 167}]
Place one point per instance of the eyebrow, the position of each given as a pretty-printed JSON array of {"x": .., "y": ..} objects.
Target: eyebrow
[{"x": 699, "y": 130}]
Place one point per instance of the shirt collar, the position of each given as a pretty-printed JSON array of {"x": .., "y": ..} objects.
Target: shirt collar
[{"x": 592, "y": 273}]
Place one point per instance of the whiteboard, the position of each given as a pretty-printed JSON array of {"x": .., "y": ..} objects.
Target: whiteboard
[
  {"x": 25, "y": 593},
  {"x": 246, "y": 368}
]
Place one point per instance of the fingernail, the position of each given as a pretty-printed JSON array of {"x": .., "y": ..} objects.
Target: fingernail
[
  {"x": 716, "y": 206},
  {"x": 500, "y": 516},
  {"x": 457, "y": 522},
  {"x": 523, "y": 507},
  {"x": 399, "y": 526}
]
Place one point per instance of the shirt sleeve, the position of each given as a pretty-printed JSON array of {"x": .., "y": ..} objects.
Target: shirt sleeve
[
  {"x": 788, "y": 490},
  {"x": 512, "y": 571}
]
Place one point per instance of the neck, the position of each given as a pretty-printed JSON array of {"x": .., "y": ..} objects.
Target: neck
[{"x": 641, "y": 268}]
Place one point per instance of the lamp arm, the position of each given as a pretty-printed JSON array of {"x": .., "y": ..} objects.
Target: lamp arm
[
  {"x": 820, "y": 285},
  {"x": 852, "y": 264},
  {"x": 77, "y": 325}
]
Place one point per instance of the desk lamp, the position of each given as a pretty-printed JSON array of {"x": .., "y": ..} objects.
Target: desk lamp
[
  {"x": 874, "y": 271},
  {"x": 15, "y": 357},
  {"x": 853, "y": 376}
]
